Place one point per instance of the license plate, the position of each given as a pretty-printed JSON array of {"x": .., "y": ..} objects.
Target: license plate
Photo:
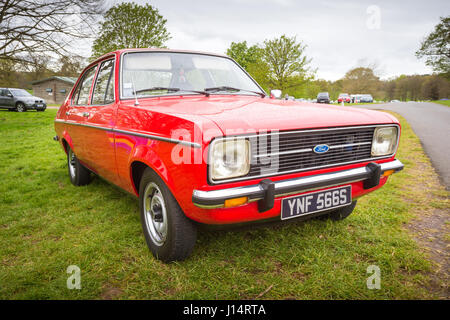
[
  {"x": 39, "y": 105},
  {"x": 313, "y": 202}
]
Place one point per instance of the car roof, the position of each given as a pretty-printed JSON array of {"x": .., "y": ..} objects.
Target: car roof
[{"x": 119, "y": 52}]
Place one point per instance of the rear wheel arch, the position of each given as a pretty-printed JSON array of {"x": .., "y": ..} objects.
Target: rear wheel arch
[
  {"x": 66, "y": 141},
  {"x": 64, "y": 144}
]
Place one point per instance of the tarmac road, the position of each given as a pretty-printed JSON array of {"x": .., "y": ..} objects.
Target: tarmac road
[{"x": 431, "y": 123}]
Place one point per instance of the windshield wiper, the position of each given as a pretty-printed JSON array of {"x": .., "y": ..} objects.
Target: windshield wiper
[
  {"x": 226, "y": 88},
  {"x": 169, "y": 89}
]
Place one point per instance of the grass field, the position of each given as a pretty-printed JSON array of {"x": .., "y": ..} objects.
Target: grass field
[
  {"x": 443, "y": 102},
  {"x": 46, "y": 224}
]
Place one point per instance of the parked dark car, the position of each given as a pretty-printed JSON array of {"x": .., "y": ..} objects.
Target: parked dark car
[
  {"x": 366, "y": 98},
  {"x": 20, "y": 100},
  {"x": 323, "y": 97}
]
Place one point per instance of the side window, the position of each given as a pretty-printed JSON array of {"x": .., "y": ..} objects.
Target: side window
[
  {"x": 3, "y": 92},
  {"x": 104, "y": 86},
  {"x": 81, "y": 95}
]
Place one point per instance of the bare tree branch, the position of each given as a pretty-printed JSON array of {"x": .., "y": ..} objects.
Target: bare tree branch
[{"x": 42, "y": 26}]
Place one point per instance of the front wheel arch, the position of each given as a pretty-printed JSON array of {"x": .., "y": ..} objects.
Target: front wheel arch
[{"x": 137, "y": 171}]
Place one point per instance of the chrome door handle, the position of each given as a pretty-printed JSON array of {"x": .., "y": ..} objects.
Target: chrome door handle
[{"x": 85, "y": 114}]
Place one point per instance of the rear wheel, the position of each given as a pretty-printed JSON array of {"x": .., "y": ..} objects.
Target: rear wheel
[
  {"x": 20, "y": 107},
  {"x": 79, "y": 175},
  {"x": 169, "y": 234}
]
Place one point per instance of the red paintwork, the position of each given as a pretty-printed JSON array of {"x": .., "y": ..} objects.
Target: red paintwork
[
  {"x": 347, "y": 99},
  {"x": 111, "y": 154}
]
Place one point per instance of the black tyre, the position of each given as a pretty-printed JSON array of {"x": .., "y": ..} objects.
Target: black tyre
[
  {"x": 20, "y": 107},
  {"x": 79, "y": 175},
  {"x": 342, "y": 213},
  {"x": 169, "y": 234}
]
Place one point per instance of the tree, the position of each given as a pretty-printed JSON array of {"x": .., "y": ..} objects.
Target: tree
[
  {"x": 129, "y": 25},
  {"x": 436, "y": 48},
  {"x": 30, "y": 27},
  {"x": 70, "y": 66},
  {"x": 8, "y": 74},
  {"x": 243, "y": 54},
  {"x": 435, "y": 87},
  {"x": 360, "y": 80},
  {"x": 288, "y": 65},
  {"x": 38, "y": 68},
  {"x": 250, "y": 58}
]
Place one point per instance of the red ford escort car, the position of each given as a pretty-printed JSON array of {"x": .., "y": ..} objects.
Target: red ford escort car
[{"x": 199, "y": 142}]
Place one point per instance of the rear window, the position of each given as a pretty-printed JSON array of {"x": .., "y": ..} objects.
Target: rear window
[
  {"x": 81, "y": 96},
  {"x": 104, "y": 86}
]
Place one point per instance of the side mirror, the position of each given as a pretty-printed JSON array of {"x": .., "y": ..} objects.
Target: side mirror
[
  {"x": 275, "y": 94},
  {"x": 9, "y": 95}
]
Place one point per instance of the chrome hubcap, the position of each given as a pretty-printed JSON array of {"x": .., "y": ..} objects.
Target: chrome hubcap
[
  {"x": 155, "y": 214},
  {"x": 71, "y": 163}
]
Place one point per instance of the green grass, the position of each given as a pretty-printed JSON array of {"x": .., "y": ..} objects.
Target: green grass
[
  {"x": 46, "y": 224},
  {"x": 443, "y": 102}
]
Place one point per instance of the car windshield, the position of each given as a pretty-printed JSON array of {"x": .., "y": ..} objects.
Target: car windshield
[
  {"x": 169, "y": 73},
  {"x": 20, "y": 93},
  {"x": 323, "y": 94}
]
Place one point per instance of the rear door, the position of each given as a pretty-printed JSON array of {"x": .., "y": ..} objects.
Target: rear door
[
  {"x": 76, "y": 113},
  {"x": 99, "y": 122}
]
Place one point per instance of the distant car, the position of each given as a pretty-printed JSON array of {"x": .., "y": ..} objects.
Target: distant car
[
  {"x": 323, "y": 97},
  {"x": 344, "y": 97},
  {"x": 20, "y": 100},
  {"x": 356, "y": 98},
  {"x": 392, "y": 101},
  {"x": 366, "y": 98}
]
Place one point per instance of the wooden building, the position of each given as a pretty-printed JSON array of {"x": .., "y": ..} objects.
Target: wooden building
[{"x": 54, "y": 89}]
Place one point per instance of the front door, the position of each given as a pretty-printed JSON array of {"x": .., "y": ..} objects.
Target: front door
[
  {"x": 99, "y": 122},
  {"x": 6, "y": 99},
  {"x": 76, "y": 114}
]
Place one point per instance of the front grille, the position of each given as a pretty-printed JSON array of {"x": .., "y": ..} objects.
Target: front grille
[{"x": 294, "y": 150}]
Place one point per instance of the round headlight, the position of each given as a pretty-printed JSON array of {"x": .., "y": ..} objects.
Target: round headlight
[
  {"x": 384, "y": 141},
  {"x": 229, "y": 158}
]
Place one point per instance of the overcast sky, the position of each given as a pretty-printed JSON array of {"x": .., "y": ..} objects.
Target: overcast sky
[{"x": 339, "y": 34}]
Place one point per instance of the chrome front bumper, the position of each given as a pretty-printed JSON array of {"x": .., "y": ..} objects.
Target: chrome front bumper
[{"x": 266, "y": 191}]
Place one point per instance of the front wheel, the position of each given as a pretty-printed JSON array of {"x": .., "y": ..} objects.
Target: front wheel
[
  {"x": 169, "y": 234},
  {"x": 342, "y": 213},
  {"x": 79, "y": 175},
  {"x": 20, "y": 107}
]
